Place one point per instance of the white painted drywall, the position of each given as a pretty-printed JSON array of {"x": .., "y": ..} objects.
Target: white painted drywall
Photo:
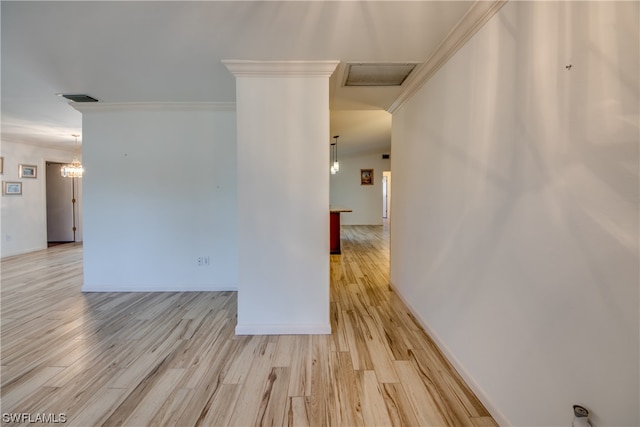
[
  {"x": 515, "y": 224},
  {"x": 347, "y": 192},
  {"x": 160, "y": 192},
  {"x": 283, "y": 199},
  {"x": 24, "y": 218}
]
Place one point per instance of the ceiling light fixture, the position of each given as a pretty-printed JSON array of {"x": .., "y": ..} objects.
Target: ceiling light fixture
[{"x": 74, "y": 169}]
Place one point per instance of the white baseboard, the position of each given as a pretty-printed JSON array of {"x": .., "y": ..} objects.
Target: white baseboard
[
  {"x": 497, "y": 415},
  {"x": 283, "y": 329}
]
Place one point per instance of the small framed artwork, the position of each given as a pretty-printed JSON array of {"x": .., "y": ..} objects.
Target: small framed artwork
[
  {"x": 28, "y": 171},
  {"x": 366, "y": 176},
  {"x": 1, "y": 165},
  {"x": 11, "y": 188}
]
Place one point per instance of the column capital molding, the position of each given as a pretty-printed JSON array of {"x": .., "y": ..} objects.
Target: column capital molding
[{"x": 249, "y": 68}]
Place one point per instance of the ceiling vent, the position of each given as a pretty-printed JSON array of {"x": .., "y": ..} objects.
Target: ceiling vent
[
  {"x": 79, "y": 98},
  {"x": 377, "y": 74}
]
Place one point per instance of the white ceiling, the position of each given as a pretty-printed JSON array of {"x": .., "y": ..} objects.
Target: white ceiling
[{"x": 162, "y": 51}]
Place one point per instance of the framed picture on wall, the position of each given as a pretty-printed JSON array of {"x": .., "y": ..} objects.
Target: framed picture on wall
[
  {"x": 28, "y": 171},
  {"x": 366, "y": 176},
  {"x": 11, "y": 188},
  {"x": 1, "y": 165}
]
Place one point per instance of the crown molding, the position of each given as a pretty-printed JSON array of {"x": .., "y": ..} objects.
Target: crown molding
[
  {"x": 248, "y": 68},
  {"x": 477, "y": 15},
  {"x": 88, "y": 107}
]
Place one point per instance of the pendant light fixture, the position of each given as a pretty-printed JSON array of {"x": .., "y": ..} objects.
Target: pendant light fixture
[
  {"x": 335, "y": 166},
  {"x": 74, "y": 169}
]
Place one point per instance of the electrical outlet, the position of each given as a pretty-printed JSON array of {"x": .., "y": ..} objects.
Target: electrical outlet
[
  {"x": 200, "y": 261},
  {"x": 206, "y": 261},
  {"x": 203, "y": 260}
]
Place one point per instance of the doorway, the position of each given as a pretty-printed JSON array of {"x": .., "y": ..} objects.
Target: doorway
[
  {"x": 386, "y": 194},
  {"x": 60, "y": 206}
]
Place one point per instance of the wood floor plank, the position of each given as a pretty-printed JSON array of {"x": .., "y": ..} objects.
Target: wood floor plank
[
  {"x": 374, "y": 409},
  {"x": 173, "y": 359},
  {"x": 171, "y": 409},
  {"x": 205, "y": 379},
  {"x": 219, "y": 408},
  {"x": 392, "y": 333},
  {"x": 273, "y": 409},
  {"x": 297, "y": 412},
  {"x": 154, "y": 377},
  {"x": 422, "y": 403},
  {"x": 29, "y": 383},
  {"x": 252, "y": 347},
  {"x": 360, "y": 356},
  {"x": 149, "y": 406},
  {"x": 381, "y": 354},
  {"x": 398, "y": 406},
  {"x": 41, "y": 400},
  {"x": 317, "y": 403},
  {"x": 285, "y": 348},
  {"x": 253, "y": 394},
  {"x": 338, "y": 327},
  {"x": 300, "y": 367},
  {"x": 347, "y": 397},
  {"x": 98, "y": 408}
]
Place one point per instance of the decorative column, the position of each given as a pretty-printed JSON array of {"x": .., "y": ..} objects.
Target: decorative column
[{"x": 282, "y": 112}]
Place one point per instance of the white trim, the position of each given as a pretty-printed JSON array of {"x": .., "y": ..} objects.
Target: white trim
[
  {"x": 247, "y": 68},
  {"x": 168, "y": 288},
  {"x": 477, "y": 15},
  {"x": 497, "y": 415},
  {"x": 284, "y": 329},
  {"x": 88, "y": 107}
]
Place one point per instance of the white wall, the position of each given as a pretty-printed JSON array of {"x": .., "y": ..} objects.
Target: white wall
[
  {"x": 160, "y": 192},
  {"x": 515, "y": 230},
  {"x": 283, "y": 197},
  {"x": 24, "y": 218},
  {"x": 364, "y": 200}
]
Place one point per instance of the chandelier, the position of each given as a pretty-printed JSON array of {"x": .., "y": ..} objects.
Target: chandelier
[{"x": 74, "y": 169}]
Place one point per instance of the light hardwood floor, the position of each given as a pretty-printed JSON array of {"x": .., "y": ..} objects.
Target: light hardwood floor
[{"x": 141, "y": 359}]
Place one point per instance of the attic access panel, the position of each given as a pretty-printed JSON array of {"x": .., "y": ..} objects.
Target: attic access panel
[
  {"x": 79, "y": 98},
  {"x": 378, "y": 74}
]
